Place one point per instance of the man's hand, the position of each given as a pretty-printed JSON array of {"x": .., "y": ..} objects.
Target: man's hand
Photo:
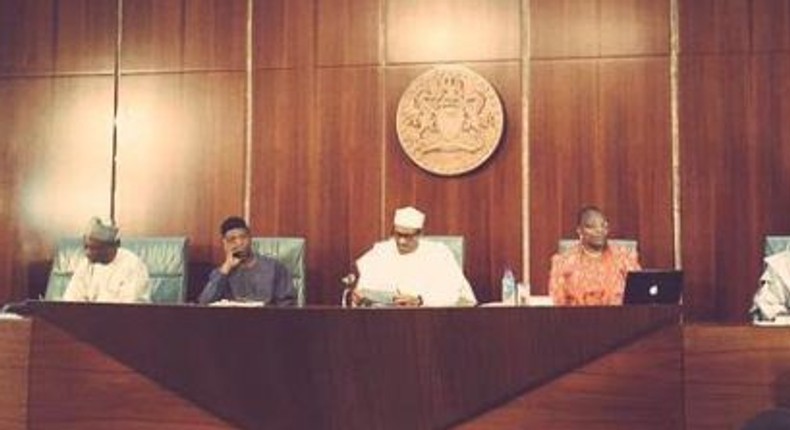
[
  {"x": 231, "y": 261},
  {"x": 406, "y": 300}
]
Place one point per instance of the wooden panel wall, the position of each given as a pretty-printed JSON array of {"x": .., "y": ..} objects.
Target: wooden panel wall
[
  {"x": 323, "y": 158},
  {"x": 55, "y": 122},
  {"x": 14, "y": 371},
  {"x": 734, "y": 137},
  {"x": 600, "y": 125},
  {"x": 609, "y": 392}
]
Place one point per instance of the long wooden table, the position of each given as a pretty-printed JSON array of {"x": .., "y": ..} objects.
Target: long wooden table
[{"x": 168, "y": 367}]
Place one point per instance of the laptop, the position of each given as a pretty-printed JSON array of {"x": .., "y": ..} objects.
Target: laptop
[{"x": 662, "y": 287}]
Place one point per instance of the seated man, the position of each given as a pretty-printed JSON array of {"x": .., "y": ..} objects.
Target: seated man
[
  {"x": 408, "y": 271},
  {"x": 107, "y": 273},
  {"x": 773, "y": 296},
  {"x": 593, "y": 271},
  {"x": 245, "y": 276}
]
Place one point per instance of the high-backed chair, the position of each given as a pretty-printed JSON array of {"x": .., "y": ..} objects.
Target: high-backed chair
[
  {"x": 564, "y": 244},
  {"x": 455, "y": 243},
  {"x": 775, "y": 244},
  {"x": 165, "y": 257},
  {"x": 290, "y": 252}
]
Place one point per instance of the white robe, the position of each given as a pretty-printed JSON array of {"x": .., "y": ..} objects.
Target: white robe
[
  {"x": 123, "y": 280},
  {"x": 773, "y": 296},
  {"x": 430, "y": 272}
]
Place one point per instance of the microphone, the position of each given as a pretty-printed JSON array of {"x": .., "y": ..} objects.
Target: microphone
[
  {"x": 349, "y": 282},
  {"x": 239, "y": 255},
  {"x": 349, "y": 279}
]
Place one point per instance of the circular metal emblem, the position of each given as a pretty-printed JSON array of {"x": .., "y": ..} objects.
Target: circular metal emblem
[{"x": 449, "y": 120}]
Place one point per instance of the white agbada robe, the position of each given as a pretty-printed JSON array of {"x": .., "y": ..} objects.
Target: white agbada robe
[
  {"x": 123, "y": 280},
  {"x": 773, "y": 296},
  {"x": 430, "y": 272}
]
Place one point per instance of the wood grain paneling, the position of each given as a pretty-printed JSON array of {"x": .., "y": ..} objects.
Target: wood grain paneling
[
  {"x": 74, "y": 386},
  {"x": 770, "y": 98},
  {"x": 634, "y": 27},
  {"x": 14, "y": 367},
  {"x": 484, "y": 205},
  {"x": 600, "y": 135},
  {"x": 564, "y": 28},
  {"x": 770, "y": 25},
  {"x": 26, "y": 33},
  {"x": 56, "y": 153},
  {"x": 181, "y": 158},
  {"x": 714, "y": 26},
  {"x": 314, "y": 367},
  {"x": 85, "y": 36},
  {"x": 440, "y": 30},
  {"x": 284, "y": 33},
  {"x": 184, "y": 35},
  {"x": 347, "y": 32},
  {"x": 284, "y": 162},
  {"x": 636, "y": 158},
  {"x": 609, "y": 393},
  {"x": 577, "y": 28},
  {"x": 345, "y": 165},
  {"x": 732, "y": 373},
  {"x": 45, "y": 36},
  {"x": 563, "y": 106},
  {"x": 720, "y": 197}
]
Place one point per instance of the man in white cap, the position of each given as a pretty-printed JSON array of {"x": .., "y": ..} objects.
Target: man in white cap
[
  {"x": 107, "y": 272},
  {"x": 408, "y": 271}
]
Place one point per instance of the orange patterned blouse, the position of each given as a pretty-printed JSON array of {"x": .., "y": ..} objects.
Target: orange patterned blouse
[{"x": 580, "y": 279}]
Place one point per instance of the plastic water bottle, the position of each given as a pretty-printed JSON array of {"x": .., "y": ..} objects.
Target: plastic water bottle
[{"x": 509, "y": 287}]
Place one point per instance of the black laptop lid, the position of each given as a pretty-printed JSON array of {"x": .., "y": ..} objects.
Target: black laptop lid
[{"x": 653, "y": 287}]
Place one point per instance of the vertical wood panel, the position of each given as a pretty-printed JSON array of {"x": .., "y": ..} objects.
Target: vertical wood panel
[
  {"x": 284, "y": 33},
  {"x": 718, "y": 194},
  {"x": 709, "y": 26},
  {"x": 181, "y": 159},
  {"x": 26, "y": 34},
  {"x": 484, "y": 205},
  {"x": 564, "y": 28},
  {"x": 562, "y": 134},
  {"x": 345, "y": 165},
  {"x": 731, "y": 373},
  {"x": 283, "y": 156},
  {"x": 634, "y": 27},
  {"x": 771, "y": 25},
  {"x": 439, "y": 30},
  {"x": 56, "y": 153},
  {"x": 771, "y": 101},
  {"x": 85, "y": 36},
  {"x": 44, "y": 36},
  {"x": 348, "y": 32},
  {"x": 184, "y": 34},
  {"x": 14, "y": 368},
  {"x": 634, "y": 128}
]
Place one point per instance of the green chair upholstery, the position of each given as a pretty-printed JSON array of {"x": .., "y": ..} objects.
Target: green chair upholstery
[
  {"x": 564, "y": 244},
  {"x": 455, "y": 243},
  {"x": 165, "y": 257},
  {"x": 775, "y": 244},
  {"x": 290, "y": 252}
]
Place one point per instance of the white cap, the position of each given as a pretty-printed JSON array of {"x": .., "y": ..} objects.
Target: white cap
[
  {"x": 102, "y": 232},
  {"x": 409, "y": 217}
]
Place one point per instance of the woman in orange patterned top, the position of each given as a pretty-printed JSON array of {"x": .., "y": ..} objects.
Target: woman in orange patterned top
[{"x": 592, "y": 272}]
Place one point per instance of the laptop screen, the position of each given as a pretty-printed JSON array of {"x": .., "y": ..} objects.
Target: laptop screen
[{"x": 653, "y": 287}]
